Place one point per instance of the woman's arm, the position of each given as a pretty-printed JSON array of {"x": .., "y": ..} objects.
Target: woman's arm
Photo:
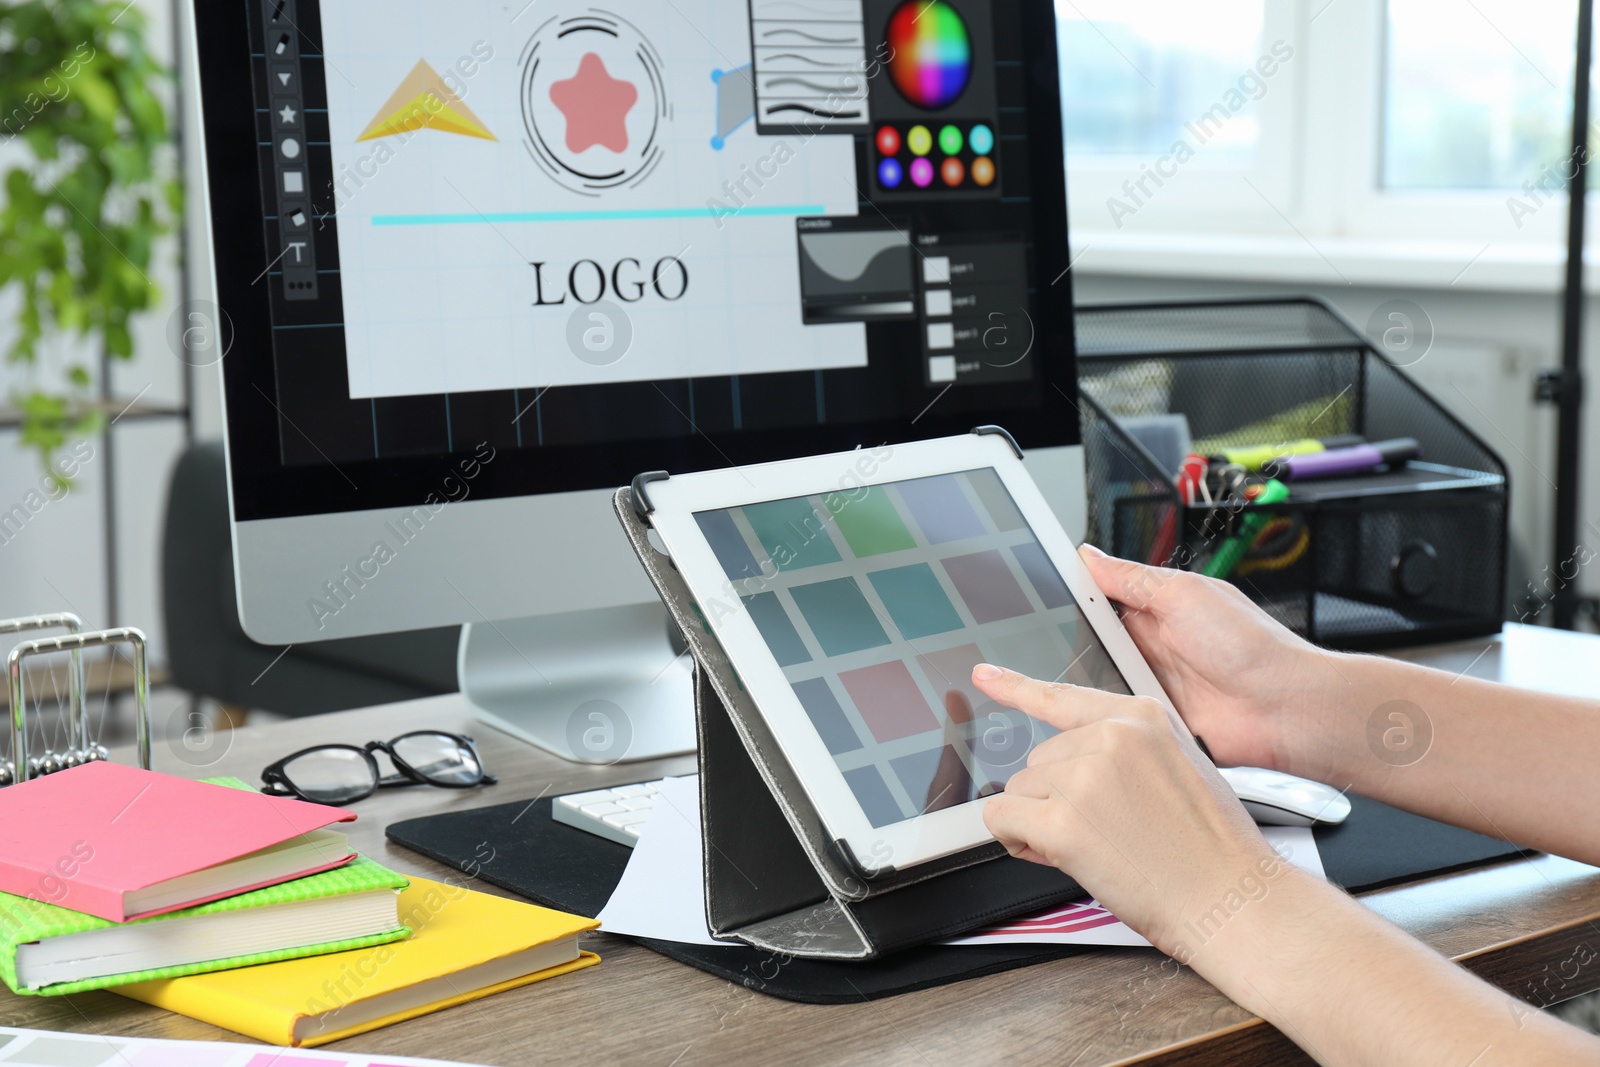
[
  {"x": 1506, "y": 762},
  {"x": 1144, "y": 822}
]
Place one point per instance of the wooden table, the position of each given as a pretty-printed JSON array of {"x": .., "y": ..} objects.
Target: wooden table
[{"x": 1513, "y": 923}]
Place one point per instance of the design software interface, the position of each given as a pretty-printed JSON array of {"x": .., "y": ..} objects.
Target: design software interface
[{"x": 517, "y": 222}]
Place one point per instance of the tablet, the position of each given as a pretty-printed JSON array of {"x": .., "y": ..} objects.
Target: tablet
[{"x": 853, "y": 594}]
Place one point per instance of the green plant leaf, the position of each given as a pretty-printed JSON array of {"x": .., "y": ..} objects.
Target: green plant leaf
[{"x": 79, "y": 222}]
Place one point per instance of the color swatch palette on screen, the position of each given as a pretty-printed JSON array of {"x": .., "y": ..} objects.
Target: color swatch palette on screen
[
  {"x": 878, "y": 602},
  {"x": 41, "y": 1048},
  {"x": 957, "y": 154}
]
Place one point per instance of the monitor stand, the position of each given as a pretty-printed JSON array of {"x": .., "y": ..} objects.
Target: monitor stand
[{"x": 603, "y": 685}]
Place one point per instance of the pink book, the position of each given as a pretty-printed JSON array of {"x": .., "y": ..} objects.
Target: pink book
[{"x": 123, "y": 843}]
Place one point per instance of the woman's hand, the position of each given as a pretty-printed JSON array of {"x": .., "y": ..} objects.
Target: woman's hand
[
  {"x": 1129, "y": 808},
  {"x": 1133, "y": 811},
  {"x": 1257, "y": 694}
]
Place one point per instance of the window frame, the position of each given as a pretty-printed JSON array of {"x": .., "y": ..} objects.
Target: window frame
[
  {"x": 1319, "y": 171},
  {"x": 1221, "y": 191}
]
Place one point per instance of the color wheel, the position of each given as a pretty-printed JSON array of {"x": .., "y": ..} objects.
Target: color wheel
[{"x": 930, "y": 53}]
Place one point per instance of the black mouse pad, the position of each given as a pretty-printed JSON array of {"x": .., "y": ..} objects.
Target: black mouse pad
[
  {"x": 1380, "y": 846},
  {"x": 519, "y": 847}
]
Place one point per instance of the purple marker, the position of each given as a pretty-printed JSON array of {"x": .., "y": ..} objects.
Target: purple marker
[{"x": 1357, "y": 459}]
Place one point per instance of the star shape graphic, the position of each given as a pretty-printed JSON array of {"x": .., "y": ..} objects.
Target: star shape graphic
[
  {"x": 596, "y": 106},
  {"x": 287, "y": 115}
]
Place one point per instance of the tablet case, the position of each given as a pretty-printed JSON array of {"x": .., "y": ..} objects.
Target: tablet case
[{"x": 775, "y": 880}]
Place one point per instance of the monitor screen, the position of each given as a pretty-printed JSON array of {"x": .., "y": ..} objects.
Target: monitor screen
[
  {"x": 598, "y": 239},
  {"x": 878, "y": 603}
]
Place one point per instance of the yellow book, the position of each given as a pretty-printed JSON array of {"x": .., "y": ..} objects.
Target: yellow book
[{"x": 465, "y": 945}]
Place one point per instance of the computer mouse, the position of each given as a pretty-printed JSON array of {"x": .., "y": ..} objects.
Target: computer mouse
[{"x": 1276, "y": 799}]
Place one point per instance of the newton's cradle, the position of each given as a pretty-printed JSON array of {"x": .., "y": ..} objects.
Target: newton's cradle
[{"x": 76, "y": 746}]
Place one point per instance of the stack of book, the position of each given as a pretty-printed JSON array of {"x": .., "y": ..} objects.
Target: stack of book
[{"x": 245, "y": 910}]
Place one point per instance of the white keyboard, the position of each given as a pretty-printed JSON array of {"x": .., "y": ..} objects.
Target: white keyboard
[{"x": 617, "y": 814}]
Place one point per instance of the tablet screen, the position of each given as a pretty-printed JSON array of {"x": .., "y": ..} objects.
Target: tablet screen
[{"x": 877, "y": 602}]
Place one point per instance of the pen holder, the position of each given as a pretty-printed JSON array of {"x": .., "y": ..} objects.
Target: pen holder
[
  {"x": 80, "y": 746},
  {"x": 1397, "y": 556}
]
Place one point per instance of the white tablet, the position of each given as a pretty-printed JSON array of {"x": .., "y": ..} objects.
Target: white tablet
[{"x": 854, "y": 593}]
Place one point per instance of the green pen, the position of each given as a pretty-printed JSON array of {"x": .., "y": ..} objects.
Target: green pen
[
  {"x": 1251, "y": 523},
  {"x": 1255, "y": 457}
]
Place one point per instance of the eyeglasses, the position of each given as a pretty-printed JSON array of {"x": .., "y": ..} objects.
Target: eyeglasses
[{"x": 344, "y": 774}]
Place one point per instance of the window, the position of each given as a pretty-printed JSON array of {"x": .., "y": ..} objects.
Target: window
[
  {"x": 1380, "y": 122},
  {"x": 1169, "y": 105},
  {"x": 1476, "y": 95},
  {"x": 1132, "y": 79}
]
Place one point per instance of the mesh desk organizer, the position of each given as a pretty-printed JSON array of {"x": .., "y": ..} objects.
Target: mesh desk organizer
[{"x": 1402, "y": 556}]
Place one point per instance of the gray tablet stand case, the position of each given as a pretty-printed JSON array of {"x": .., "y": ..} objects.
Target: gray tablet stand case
[{"x": 774, "y": 879}]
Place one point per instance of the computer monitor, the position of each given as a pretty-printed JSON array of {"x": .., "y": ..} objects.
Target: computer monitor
[{"x": 483, "y": 262}]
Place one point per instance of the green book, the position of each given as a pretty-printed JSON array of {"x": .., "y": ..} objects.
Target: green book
[{"x": 50, "y": 951}]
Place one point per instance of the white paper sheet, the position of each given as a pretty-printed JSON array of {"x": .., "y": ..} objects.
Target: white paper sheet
[
  {"x": 662, "y": 892},
  {"x": 1085, "y": 922}
]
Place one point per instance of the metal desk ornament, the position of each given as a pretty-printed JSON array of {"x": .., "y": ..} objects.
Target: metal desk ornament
[{"x": 80, "y": 747}]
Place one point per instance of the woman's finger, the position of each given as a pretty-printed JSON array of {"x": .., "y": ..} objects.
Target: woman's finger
[{"x": 1063, "y": 706}]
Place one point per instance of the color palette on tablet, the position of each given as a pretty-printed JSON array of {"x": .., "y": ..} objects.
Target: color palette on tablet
[{"x": 877, "y": 603}]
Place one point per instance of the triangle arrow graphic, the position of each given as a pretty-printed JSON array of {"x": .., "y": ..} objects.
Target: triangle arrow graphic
[{"x": 424, "y": 101}]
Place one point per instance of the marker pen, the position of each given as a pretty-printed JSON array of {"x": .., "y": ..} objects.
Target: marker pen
[
  {"x": 1251, "y": 523},
  {"x": 1356, "y": 460},
  {"x": 1255, "y": 457}
]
